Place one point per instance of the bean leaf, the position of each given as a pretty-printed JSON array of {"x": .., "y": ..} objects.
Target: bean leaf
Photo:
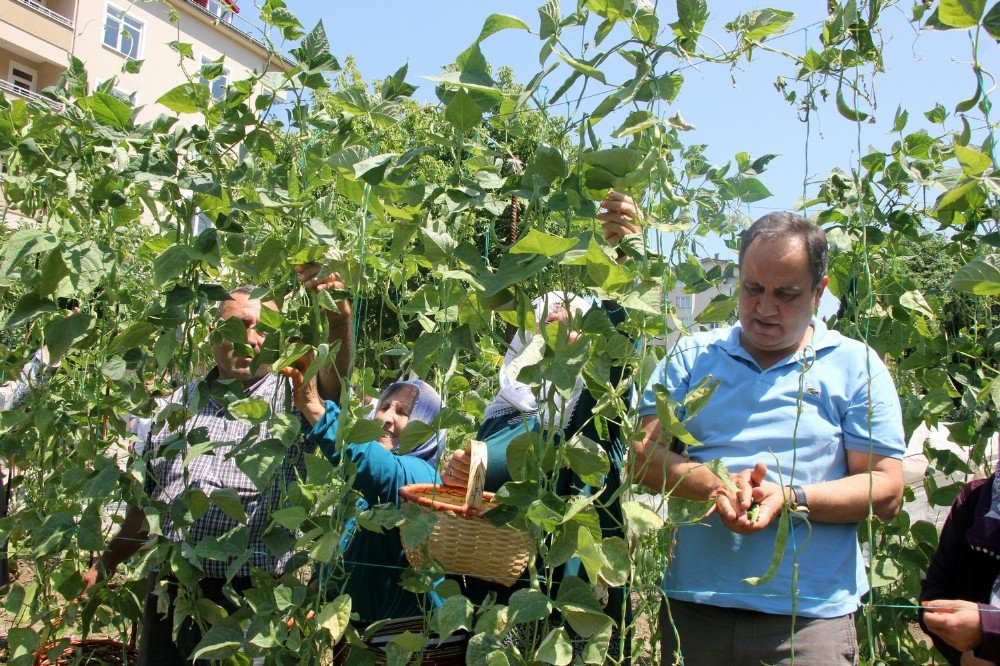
[
  {"x": 980, "y": 276},
  {"x": 335, "y": 617},
  {"x": 60, "y": 334},
  {"x": 228, "y": 501},
  {"x": 555, "y": 648},
  {"x": 454, "y": 615}
]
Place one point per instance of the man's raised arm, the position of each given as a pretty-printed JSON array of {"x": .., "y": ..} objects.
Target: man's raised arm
[
  {"x": 131, "y": 535},
  {"x": 341, "y": 328}
]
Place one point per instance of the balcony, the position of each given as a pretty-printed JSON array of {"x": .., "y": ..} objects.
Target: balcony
[
  {"x": 221, "y": 12},
  {"x": 37, "y": 31},
  {"x": 46, "y": 12},
  {"x": 9, "y": 88}
]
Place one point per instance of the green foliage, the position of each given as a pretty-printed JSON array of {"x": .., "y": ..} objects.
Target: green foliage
[{"x": 444, "y": 221}]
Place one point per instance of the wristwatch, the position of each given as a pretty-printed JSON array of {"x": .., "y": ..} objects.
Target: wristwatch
[{"x": 797, "y": 499}]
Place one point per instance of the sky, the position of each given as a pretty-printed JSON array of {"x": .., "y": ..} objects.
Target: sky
[{"x": 732, "y": 109}]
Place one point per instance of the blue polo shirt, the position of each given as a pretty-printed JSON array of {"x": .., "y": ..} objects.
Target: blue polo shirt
[{"x": 752, "y": 416}]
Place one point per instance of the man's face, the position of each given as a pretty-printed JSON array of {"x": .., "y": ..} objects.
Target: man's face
[
  {"x": 777, "y": 298},
  {"x": 230, "y": 365}
]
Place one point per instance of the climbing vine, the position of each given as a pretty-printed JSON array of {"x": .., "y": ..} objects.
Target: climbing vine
[{"x": 444, "y": 222}]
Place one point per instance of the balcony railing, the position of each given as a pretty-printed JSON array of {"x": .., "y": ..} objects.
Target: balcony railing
[
  {"x": 9, "y": 87},
  {"x": 45, "y": 11},
  {"x": 227, "y": 24}
]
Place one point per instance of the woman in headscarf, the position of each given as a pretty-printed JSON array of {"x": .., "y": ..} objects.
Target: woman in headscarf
[
  {"x": 374, "y": 562},
  {"x": 518, "y": 408},
  {"x": 961, "y": 594}
]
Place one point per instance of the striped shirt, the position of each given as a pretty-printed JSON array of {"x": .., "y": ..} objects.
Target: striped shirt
[{"x": 221, "y": 450}]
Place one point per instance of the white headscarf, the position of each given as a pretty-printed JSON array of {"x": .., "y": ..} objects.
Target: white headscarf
[{"x": 548, "y": 404}]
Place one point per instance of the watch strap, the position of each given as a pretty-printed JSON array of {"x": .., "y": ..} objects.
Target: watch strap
[{"x": 797, "y": 496}]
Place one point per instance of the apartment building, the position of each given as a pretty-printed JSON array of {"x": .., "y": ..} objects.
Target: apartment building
[
  {"x": 37, "y": 37},
  {"x": 689, "y": 306}
]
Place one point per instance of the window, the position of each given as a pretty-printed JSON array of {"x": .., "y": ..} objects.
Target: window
[
  {"x": 221, "y": 9},
  {"x": 216, "y": 85},
  {"x": 126, "y": 96},
  {"x": 684, "y": 312},
  {"x": 123, "y": 95},
  {"x": 22, "y": 77},
  {"x": 122, "y": 32}
]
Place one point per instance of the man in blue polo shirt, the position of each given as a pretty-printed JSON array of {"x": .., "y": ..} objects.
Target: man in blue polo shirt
[{"x": 806, "y": 421}]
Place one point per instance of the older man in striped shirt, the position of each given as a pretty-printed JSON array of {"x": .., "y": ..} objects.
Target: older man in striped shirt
[{"x": 217, "y": 458}]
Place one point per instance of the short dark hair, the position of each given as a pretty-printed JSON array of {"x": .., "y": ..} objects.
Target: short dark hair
[{"x": 781, "y": 226}]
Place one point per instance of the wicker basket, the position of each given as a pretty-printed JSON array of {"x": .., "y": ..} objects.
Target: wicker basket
[
  {"x": 93, "y": 652},
  {"x": 463, "y": 542}
]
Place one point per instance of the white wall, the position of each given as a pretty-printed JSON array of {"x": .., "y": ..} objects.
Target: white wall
[{"x": 161, "y": 70}]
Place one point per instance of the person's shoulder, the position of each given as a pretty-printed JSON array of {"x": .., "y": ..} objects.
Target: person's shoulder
[
  {"x": 851, "y": 352},
  {"x": 973, "y": 489}
]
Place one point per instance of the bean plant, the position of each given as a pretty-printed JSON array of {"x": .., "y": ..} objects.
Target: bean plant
[{"x": 445, "y": 220}]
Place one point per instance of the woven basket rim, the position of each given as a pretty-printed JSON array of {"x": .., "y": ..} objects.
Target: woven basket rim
[
  {"x": 82, "y": 644},
  {"x": 409, "y": 492}
]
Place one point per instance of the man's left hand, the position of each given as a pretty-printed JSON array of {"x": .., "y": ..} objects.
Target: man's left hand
[
  {"x": 955, "y": 621},
  {"x": 733, "y": 499},
  {"x": 769, "y": 498},
  {"x": 310, "y": 276}
]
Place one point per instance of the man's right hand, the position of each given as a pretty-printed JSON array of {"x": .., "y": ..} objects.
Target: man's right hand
[
  {"x": 130, "y": 537},
  {"x": 94, "y": 575}
]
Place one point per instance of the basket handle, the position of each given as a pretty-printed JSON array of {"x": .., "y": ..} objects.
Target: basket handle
[{"x": 476, "y": 451}]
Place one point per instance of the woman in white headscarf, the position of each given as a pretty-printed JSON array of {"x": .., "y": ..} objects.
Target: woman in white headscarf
[
  {"x": 552, "y": 407},
  {"x": 517, "y": 406},
  {"x": 519, "y": 409},
  {"x": 14, "y": 392}
]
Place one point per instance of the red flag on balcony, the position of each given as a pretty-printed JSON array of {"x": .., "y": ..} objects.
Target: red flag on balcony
[{"x": 232, "y": 6}]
